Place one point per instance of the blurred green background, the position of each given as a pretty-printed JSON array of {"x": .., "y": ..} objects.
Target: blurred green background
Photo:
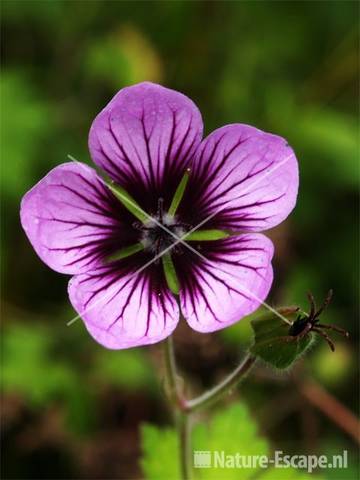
[{"x": 70, "y": 408}]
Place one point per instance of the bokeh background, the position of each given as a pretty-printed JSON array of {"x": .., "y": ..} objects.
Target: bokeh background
[{"x": 70, "y": 408}]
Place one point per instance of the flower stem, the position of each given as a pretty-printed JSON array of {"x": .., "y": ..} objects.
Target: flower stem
[
  {"x": 229, "y": 382},
  {"x": 170, "y": 370},
  {"x": 183, "y": 409},
  {"x": 185, "y": 445},
  {"x": 178, "y": 403}
]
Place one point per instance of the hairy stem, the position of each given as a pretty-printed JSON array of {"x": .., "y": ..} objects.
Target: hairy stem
[
  {"x": 178, "y": 404},
  {"x": 170, "y": 369},
  {"x": 217, "y": 392},
  {"x": 185, "y": 445},
  {"x": 183, "y": 408}
]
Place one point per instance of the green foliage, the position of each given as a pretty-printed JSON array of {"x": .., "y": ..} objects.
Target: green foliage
[
  {"x": 231, "y": 430},
  {"x": 128, "y": 369},
  {"x": 28, "y": 367},
  {"x": 332, "y": 369},
  {"x": 241, "y": 333},
  {"x": 33, "y": 370},
  {"x": 315, "y": 129},
  {"x": 25, "y": 124},
  {"x": 323, "y": 132},
  {"x": 333, "y": 446},
  {"x": 273, "y": 344},
  {"x": 286, "y": 474},
  {"x": 291, "y": 70},
  {"x": 160, "y": 459},
  {"x": 123, "y": 57}
]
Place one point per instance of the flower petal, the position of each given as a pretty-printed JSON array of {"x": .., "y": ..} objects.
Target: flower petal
[
  {"x": 123, "y": 310},
  {"x": 146, "y": 135},
  {"x": 70, "y": 217},
  {"x": 248, "y": 176},
  {"x": 231, "y": 284}
]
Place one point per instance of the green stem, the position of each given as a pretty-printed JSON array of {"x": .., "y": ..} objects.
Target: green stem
[
  {"x": 178, "y": 403},
  {"x": 185, "y": 445},
  {"x": 170, "y": 369},
  {"x": 220, "y": 390},
  {"x": 184, "y": 409}
]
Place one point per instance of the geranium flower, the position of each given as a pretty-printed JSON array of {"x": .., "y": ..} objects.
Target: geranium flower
[{"x": 163, "y": 180}]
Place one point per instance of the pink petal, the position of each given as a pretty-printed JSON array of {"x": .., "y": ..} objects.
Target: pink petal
[
  {"x": 230, "y": 285},
  {"x": 123, "y": 311},
  {"x": 147, "y": 133},
  {"x": 68, "y": 218},
  {"x": 247, "y": 177}
]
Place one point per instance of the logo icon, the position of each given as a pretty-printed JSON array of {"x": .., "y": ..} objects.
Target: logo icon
[{"x": 202, "y": 459}]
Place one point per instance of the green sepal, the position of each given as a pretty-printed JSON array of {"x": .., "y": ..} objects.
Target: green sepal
[
  {"x": 170, "y": 273},
  {"x": 206, "y": 235},
  {"x": 179, "y": 193},
  {"x": 128, "y": 202},
  {"x": 125, "y": 252},
  {"x": 272, "y": 342}
]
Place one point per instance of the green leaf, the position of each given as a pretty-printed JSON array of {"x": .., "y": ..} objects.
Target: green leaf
[
  {"x": 170, "y": 273},
  {"x": 232, "y": 431},
  {"x": 160, "y": 453},
  {"x": 206, "y": 235},
  {"x": 272, "y": 342}
]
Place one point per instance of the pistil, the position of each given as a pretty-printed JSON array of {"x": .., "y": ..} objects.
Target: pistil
[{"x": 162, "y": 231}]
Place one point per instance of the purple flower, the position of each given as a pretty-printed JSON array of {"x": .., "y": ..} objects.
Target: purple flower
[{"x": 235, "y": 183}]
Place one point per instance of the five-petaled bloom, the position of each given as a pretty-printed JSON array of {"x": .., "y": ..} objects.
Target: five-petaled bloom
[{"x": 118, "y": 236}]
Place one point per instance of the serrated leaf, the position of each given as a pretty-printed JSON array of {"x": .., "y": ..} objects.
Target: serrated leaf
[
  {"x": 231, "y": 431},
  {"x": 273, "y": 344},
  {"x": 160, "y": 453}
]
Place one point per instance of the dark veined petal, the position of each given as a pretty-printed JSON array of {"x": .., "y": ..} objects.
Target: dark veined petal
[
  {"x": 123, "y": 310},
  {"x": 72, "y": 219},
  {"x": 232, "y": 284},
  {"x": 145, "y": 136},
  {"x": 248, "y": 176}
]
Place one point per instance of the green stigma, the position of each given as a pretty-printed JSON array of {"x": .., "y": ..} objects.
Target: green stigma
[{"x": 179, "y": 193}]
